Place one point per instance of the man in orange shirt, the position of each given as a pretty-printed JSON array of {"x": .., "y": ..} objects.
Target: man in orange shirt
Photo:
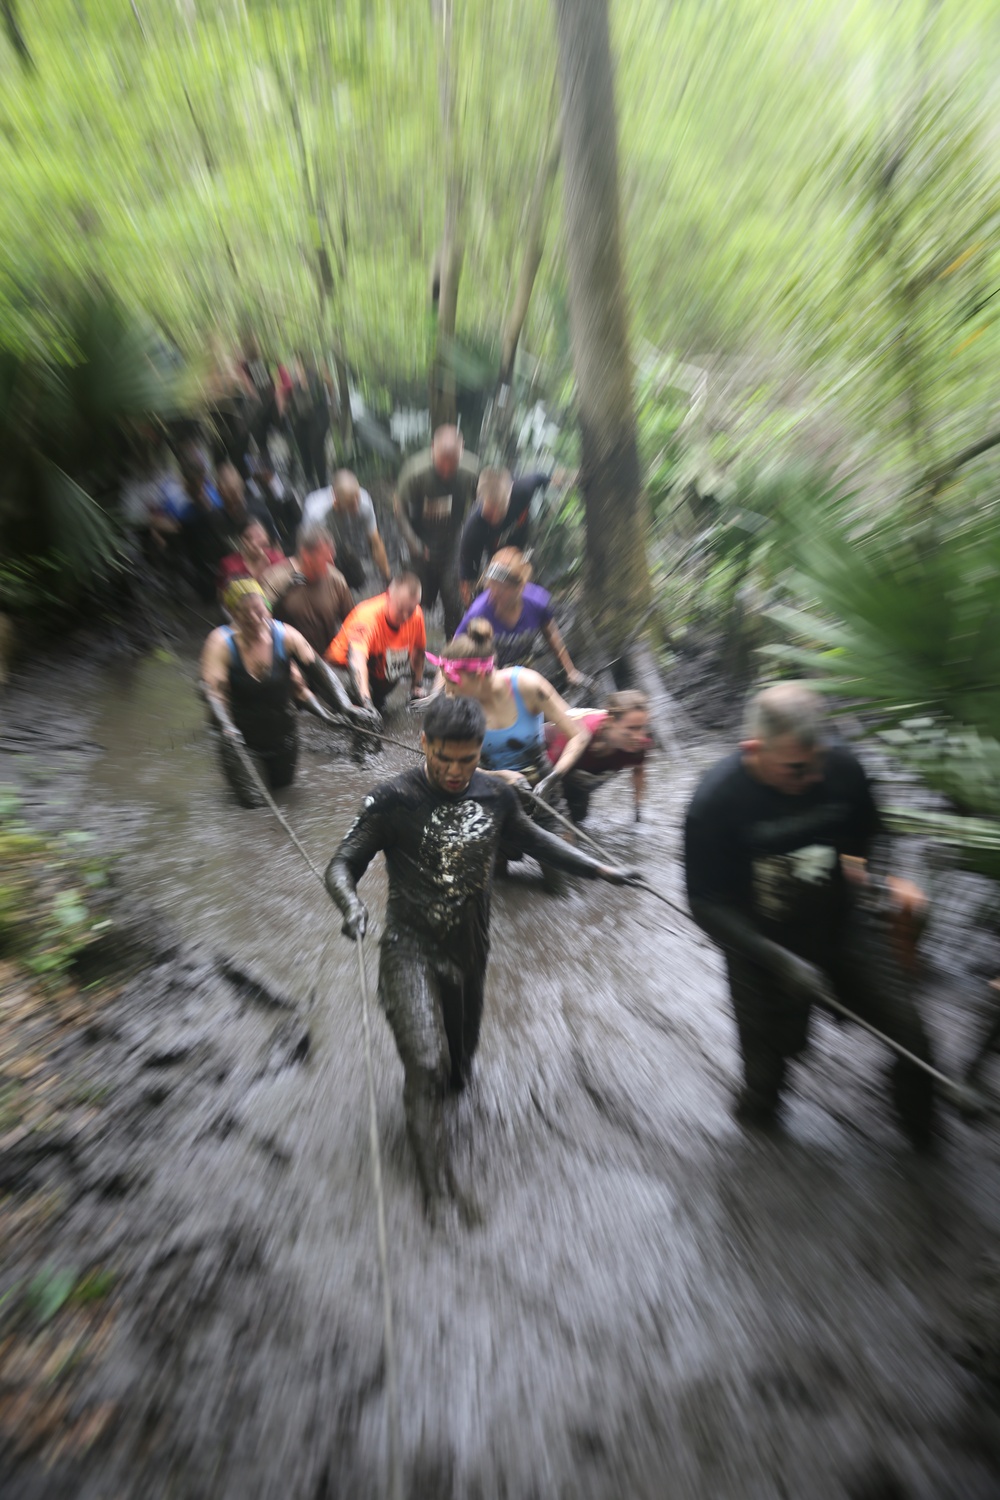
[{"x": 380, "y": 640}]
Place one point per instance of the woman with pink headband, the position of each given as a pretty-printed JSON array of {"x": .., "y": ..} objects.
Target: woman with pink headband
[{"x": 517, "y": 702}]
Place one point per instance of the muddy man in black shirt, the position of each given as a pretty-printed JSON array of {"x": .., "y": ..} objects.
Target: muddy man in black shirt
[
  {"x": 439, "y": 827},
  {"x": 777, "y": 840}
]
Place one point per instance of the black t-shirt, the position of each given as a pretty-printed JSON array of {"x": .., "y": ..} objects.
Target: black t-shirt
[
  {"x": 439, "y": 853},
  {"x": 481, "y": 538},
  {"x": 776, "y": 858}
]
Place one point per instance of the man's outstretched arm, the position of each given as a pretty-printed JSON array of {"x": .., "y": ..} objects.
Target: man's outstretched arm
[
  {"x": 555, "y": 851},
  {"x": 359, "y": 846}
]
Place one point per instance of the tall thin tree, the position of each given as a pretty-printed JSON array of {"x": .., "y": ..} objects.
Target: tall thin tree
[{"x": 617, "y": 573}]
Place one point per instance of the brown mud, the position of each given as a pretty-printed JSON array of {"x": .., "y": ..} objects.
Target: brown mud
[{"x": 656, "y": 1304}]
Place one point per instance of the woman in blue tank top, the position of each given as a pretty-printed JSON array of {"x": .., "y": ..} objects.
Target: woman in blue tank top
[{"x": 518, "y": 702}]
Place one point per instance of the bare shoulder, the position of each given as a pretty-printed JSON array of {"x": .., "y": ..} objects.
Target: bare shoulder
[
  {"x": 297, "y": 644},
  {"x": 533, "y": 685},
  {"x": 217, "y": 642}
]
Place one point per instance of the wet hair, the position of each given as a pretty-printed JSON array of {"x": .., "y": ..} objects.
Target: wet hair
[
  {"x": 786, "y": 708},
  {"x": 455, "y": 719},
  {"x": 312, "y": 536},
  {"x": 476, "y": 641},
  {"x": 628, "y": 701},
  {"x": 510, "y": 566}
]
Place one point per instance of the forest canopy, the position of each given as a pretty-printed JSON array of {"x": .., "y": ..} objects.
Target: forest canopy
[{"x": 798, "y": 180}]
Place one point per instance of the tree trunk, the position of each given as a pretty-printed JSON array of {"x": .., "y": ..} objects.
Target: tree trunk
[
  {"x": 534, "y": 246},
  {"x": 617, "y": 575},
  {"x": 344, "y": 418},
  {"x": 446, "y": 276},
  {"x": 447, "y": 268}
]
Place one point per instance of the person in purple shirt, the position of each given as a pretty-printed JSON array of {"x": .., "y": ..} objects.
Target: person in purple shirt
[{"x": 518, "y": 610}]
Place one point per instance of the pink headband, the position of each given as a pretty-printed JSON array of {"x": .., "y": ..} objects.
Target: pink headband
[{"x": 453, "y": 668}]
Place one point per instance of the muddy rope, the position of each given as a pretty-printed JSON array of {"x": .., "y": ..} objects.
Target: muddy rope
[{"x": 388, "y": 1337}]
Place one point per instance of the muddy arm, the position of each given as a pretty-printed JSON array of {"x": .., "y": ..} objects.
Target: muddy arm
[
  {"x": 551, "y": 850},
  {"x": 367, "y": 835}
]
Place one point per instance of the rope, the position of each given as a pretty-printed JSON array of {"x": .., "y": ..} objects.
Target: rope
[{"x": 388, "y": 1337}]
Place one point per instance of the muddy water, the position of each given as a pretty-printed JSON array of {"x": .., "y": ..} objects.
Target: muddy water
[{"x": 656, "y": 1304}]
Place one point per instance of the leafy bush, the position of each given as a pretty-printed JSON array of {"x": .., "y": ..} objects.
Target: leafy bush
[
  {"x": 61, "y": 423},
  {"x": 905, "y": 622},
  {"x": 46, "y": 896}
]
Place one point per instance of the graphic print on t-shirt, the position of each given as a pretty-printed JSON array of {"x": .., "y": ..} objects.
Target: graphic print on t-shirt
[
  {"x": 457, "y": 846},
  {"x": 397, "y": 659},
  {"x": 438, "y": 510},
  {"x": 780, "y": 882}
]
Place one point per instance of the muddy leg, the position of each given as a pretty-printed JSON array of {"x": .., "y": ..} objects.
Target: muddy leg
[
  {"x": 868, "y": 980},
  {"x": 242, "y": 784},
  {"x": 772, "y": 1027},
  {"x": 411, "y": 995}
]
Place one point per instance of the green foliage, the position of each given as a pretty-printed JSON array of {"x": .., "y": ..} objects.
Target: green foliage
[
  {"x": 906, "y": 621},
  {"x": 47, "y": 889},
  {"x": 61, "y": 421},
  {"x": 903, "y": 622},
  {"x": 55, "y": 1287}
]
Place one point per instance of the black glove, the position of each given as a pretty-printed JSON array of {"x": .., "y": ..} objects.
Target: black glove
[
  {"x": 355, "y": 923},
  {"x": 803, "y": 980}
]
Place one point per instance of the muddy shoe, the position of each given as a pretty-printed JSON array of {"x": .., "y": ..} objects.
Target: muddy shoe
[{"x": 754, "y": 1114}]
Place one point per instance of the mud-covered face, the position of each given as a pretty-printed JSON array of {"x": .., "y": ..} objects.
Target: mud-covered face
[{"x": 451, "y": 764}]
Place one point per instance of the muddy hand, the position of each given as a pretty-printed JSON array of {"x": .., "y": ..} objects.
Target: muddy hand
[
  {"x": 548, "y": 786},
  {"x": 355, "y": 923}
]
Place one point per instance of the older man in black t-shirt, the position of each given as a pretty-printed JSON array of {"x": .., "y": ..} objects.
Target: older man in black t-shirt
[{"x": 776, "y": 846}]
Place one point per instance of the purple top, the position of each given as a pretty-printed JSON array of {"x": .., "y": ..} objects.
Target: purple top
[{"x": 514, "y": 643}]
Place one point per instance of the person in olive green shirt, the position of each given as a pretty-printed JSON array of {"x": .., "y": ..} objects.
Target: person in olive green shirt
[{"x": 433, "y": 494}]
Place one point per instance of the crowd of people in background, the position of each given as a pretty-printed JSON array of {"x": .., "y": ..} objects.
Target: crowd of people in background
[
  {"x": 313, "y": 616},
  {"x": 222, "y": 516}
]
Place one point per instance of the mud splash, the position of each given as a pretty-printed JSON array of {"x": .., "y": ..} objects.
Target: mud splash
[{"x": 656, "y": 1304}]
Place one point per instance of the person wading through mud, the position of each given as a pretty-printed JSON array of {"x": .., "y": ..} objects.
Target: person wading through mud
[
  {"x": 381, "y": 641},
  {"x": 500, "y": 518},
  {"x": 619, "y": 740},
  {"x": 248, "y": 677},
  {"x": 517, "y": 610},
  {"x": 439, "y": 826},
  {"x": 433, "y": 493},
  {"x": 777, "y": 839},
  {"x": 518, "y": 703}
]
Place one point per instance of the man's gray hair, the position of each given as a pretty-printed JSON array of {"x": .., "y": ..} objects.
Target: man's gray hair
[
  {"x": 786, "y": 708},
  {"x": 312, "y": 535}
]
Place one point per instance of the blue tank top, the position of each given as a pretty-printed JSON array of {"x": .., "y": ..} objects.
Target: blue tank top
[{"x": 517, "y": 747}]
